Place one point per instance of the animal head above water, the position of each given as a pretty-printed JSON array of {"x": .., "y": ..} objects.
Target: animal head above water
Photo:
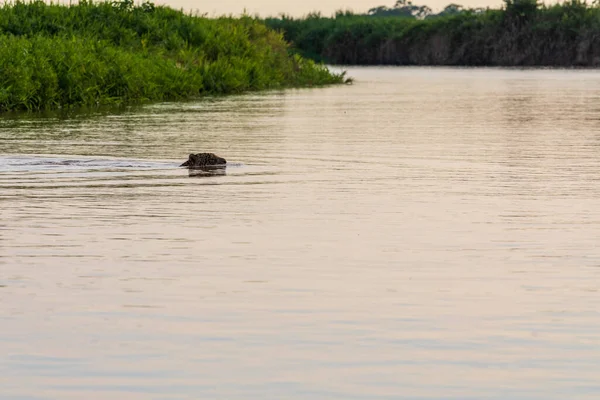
[{"x": 203, "y": 160}]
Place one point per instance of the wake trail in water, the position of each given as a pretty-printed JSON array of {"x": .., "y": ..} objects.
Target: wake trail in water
[{"x": 42, "y": 163}]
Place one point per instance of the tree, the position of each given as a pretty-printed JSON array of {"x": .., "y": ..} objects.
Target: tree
[
  {"x": 402, "y": 8},
  {"x": 383, "y": 11},
  {"x": 452, "y": 9},
  {"x": 521, "y": 10},
  {"x": 414, "y": 10}
]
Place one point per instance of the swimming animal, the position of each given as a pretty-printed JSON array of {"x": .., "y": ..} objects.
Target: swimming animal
[{"x": 204, "y": 160}]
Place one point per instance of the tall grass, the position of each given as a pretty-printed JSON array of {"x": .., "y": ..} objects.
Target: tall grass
[
  {"x": 522, "y": 33},
  {"x": 54, "y": 56}
]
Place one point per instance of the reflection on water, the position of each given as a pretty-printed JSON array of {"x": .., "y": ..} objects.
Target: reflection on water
[
  {"x": 424, "y": 233},
  {"x": 206, "y": 171}
]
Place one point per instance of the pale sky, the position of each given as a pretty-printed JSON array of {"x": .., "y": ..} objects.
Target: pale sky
[{"x": 298, "y": 8}]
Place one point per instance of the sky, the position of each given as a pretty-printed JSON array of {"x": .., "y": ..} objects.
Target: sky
[{"x": 299, "y": 8}]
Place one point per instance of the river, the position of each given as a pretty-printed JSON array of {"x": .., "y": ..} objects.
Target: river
[{"x": 425, "y": 233}]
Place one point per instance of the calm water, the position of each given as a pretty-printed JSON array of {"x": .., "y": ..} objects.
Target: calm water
[{"x": 421, "y": 234}]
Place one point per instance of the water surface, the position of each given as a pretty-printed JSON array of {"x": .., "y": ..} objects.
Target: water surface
[{"x": 425, "y": 233}]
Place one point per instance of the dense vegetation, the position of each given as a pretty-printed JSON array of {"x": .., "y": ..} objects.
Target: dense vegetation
[
  {"x": 406, "y": 8},
  {"x": 54, "y": 56},
  {"x": 522, "y": 33}
]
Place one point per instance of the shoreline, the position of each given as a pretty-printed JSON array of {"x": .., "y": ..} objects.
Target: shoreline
[{"x": 96, "y": 54}]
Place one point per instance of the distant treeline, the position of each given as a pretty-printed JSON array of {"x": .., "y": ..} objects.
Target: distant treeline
[
  {"x": 54, "y": 56},
  {"x": 522, "y": 33}
]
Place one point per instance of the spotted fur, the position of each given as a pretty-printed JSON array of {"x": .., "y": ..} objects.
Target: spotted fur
[{"x": 203, "y": 160}]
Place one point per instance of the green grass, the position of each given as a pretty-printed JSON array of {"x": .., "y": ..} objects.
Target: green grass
[{"x": 90, "y": 54}]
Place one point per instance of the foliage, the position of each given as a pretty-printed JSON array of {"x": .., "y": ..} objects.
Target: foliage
[
  {"x": 54, "y": 56},
  {"x": 450, "y": 9},
  {"x": 521, "y": 9},
  {"x": 522, "y": 33},
  {"x": 402, "y": 8}
]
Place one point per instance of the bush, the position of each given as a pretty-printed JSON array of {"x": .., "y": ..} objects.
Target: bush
[{"x": 54, "y": 56}]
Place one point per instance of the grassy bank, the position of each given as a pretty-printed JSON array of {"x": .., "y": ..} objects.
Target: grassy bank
[
  {"x": 522, "y": 33},
  {"x": 54, "y": 56}
]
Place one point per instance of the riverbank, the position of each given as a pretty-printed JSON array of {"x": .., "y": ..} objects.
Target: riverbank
[
  {"x": 523, "y": 33},
  {"x": 54, "y": 56}
]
